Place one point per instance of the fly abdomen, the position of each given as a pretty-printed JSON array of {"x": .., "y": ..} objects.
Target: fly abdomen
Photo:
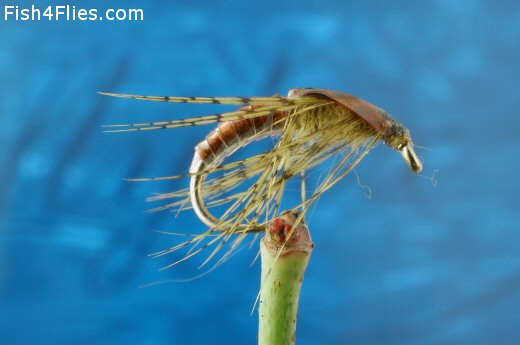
[{"x": 231, "y": 135}]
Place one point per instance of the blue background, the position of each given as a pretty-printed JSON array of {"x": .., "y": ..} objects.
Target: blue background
[{"x": 418, "y": 263}]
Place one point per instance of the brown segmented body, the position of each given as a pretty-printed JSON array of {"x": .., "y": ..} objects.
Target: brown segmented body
[{"x": 228, "y": 134}]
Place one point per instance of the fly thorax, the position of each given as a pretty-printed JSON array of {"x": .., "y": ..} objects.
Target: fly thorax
[{"x": 395, "y": 135}]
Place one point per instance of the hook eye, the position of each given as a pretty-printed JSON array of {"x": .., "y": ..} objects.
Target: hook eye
[{"x": 411, "y": 158}]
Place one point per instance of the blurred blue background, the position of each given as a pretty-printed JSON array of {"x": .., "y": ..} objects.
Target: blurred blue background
[{"x": 417, "y": 263}]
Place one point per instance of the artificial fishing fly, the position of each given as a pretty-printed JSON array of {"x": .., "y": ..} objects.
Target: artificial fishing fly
[{"x": 312, "y": 125}]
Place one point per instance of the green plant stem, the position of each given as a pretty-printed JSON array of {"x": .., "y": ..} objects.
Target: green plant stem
[{"x": 283, "y": 267}]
